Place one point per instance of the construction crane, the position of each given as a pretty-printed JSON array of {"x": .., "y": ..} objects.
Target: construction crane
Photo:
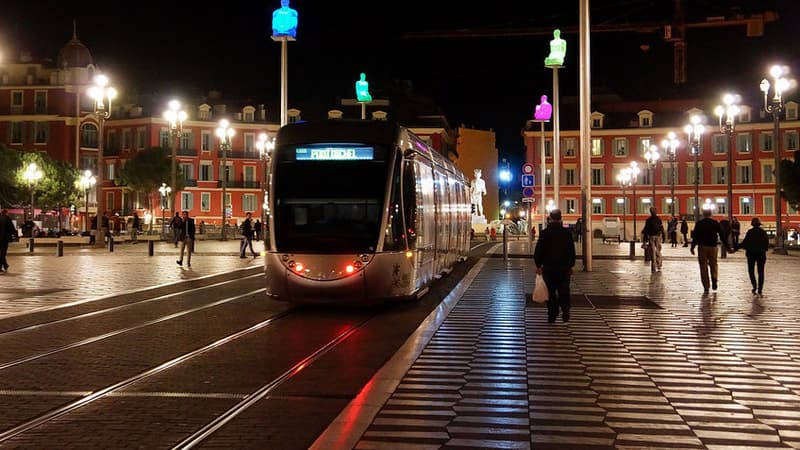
[{"x": 674, "y": 32}]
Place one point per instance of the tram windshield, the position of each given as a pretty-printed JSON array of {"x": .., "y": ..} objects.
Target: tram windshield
[{"x": 328, "y": 205}]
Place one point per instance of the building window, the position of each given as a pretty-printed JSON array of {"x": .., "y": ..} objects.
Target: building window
[
  {"x": 620, "y": 146},
  {"x": 141, "y": 138},
  {"x": 569, "y": 147},
  {"x": 205, "y": 141},
  {"x": 187, "y": 171},
  {"x": 769, "y": 205},
  {"x": 249, "y": 143},
  {"x": 745, "y": 205},
  {"x": 569, "y": 176},
  {"x": 186, "y": 140},
  {"x": 548, "y": 148},
  {"x": 163, "y": 138},
  {"x": 597, "y": 120},
  {"x": 249, "y": 116},
  {"x": 619, "y": 205},
  {"x": 249, "y": 174},
  {"x": 692, "y": 174},
  {"x": 719, "y": 144},
  {"x": 205, "y": 201},
  {"x": 109, "y": 201},
  {"x": 16, "y": 101},
  {"x": 669, "y": 176},
  {"x": 690, "y": 205},
  {"x": 791, "y": 111},
  {"x": 744, "y": 143},
  {"x": 643, "y": 206},
  {"x": 548, "y": 179},
  {"x": 791, "y": 140},
  {"x": 17, "y": 132},
  {"x": 569, "y": 205},
  {"x": 597, "y": 147},
  {"x": 744, "y": 175},
  {"x": 205, "y": 171},
  {"x": 89, "y": 135},
  {"x": 643, "y": 145},
  {"x": 597, "y": 176},
  {"x": 42, "y": 133},
  {"x": 40, "y": 102},
  {"x": 111, "y": 171},
  {"x": 126, "y": 139},
  {"x": 187, "y": 200},
  {"x": 766, "y": 142},
  {"x": 227, "y": 172},
  {"x": 598, "y": 206},
  {"x": 718, "y": 175},
  {"x": 249, "y": 202},
  {"x": 767, "y": 175},
  {"x": 722, "y": 206}
]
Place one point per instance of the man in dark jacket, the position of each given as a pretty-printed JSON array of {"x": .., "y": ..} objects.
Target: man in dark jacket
[
  {"x": 653, "y": 232},
  {"x": 554, "y": 257},
  {"x": 756, "y": 244},
  {"x": 186, "y": 238},
  {"x": 705, "y": 234},
  {"x": 7, "y": 235}
]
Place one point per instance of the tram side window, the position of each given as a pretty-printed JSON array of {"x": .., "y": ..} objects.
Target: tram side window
[
  {"x": 410, "y": 202},
  {"x": 395, "y": 237}
]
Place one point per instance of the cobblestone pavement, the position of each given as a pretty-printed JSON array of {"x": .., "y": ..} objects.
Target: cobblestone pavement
[
  {"x": 675, "y": 369},
  {"x": 42, "y": 279}
]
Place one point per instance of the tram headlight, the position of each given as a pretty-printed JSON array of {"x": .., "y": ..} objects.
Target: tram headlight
[{"x": 349, "y": 268}]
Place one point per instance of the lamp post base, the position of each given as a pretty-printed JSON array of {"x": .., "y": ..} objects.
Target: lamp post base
[{"x": 780, "y": 251}]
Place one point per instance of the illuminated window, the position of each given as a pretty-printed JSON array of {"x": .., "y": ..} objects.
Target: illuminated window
[
  {"x": 744, "y": 143},
  {"x": 597, "y": 147}
]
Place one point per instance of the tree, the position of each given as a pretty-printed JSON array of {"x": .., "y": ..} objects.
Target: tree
[
  {"x": 10, "y": 162},
  {"x": 790, "y": 181},
  {"x": 146, "y": 170}
]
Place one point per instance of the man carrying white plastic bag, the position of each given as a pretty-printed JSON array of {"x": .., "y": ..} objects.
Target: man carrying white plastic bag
[{"x": 554, "y": 258}]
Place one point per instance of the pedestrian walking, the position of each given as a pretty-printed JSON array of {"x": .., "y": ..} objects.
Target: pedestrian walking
[
  {"x": 725, "y": 226},
  {"x": 93, "y": 230},
  {"x": 8, "y": 234},
  {"x": 653, "y": 232},
  {"x": 672, "y": 231},
  {"x": 135, "y": 226},
  {"x": 554, "y": 257},
  {"x": 175, "y": 225},
  {"x": 704, "y": 236},
  {"x": 186, "y": 237},
  {"x": 755, "y": 244},
  {"x": 685, "y": 231},
  {"x": 736, "y": 228},
  {"x": 578, "y": 229},
  {"x": 247, "y": 236}
]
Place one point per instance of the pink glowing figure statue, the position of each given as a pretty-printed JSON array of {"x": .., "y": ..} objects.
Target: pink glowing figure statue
[{"x": 543, "y": 110}]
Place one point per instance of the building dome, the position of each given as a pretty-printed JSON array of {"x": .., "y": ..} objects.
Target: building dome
[{"x": 74, "y": 54}]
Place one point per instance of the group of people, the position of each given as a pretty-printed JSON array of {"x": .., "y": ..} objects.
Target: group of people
[{"x": 554, "y": 255}]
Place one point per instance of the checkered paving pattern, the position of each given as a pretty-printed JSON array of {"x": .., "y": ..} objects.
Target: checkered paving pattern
[{"x": 720, "y": 371}]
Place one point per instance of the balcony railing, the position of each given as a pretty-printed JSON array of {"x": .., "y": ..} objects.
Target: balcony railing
[
  {"x": 187, "y": 152},
  {"x": 239, "y": 184},
  {"x": 239, "y": 154}
]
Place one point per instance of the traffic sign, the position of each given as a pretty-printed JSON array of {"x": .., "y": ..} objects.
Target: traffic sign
[
  {"x": 528, "y": 192},
  {"x": 528, "y": 200},
  {"x": 527, "y": 168},
  {"x": 528, "y": 180}
]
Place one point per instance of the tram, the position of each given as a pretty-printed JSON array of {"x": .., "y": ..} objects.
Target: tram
[{"x": 361, "y": 212}]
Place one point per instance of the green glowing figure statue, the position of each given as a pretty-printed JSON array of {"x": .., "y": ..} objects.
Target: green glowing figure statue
[
  {"x": 362, "y": 90},
  {"x": 558, "y": 49}
]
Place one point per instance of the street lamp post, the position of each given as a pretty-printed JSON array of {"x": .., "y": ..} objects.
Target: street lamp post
[
  {"x": 101, "y": 93},
  {"x": 775, "y": 107},
  {"x": 652, "y": 157},
  {"x": 32, "y": 175},
  {"x": 624, "y": 180},
  {"x": 695, "y": 130},
  {"x": 555, "y": 61},
  {"x": 634, "y": 171},
  {"x": 224, "y": 133},
  {"x": 265, "y": 145},
  {"x": 284, "y": 29},
  {"x": 670, "y": 145},
  {"x": 165, "y": 191},
  {"x": 86, "y": 182},
  {"x": 728, "y": 112},
  {"x": 175, "y": 116}
]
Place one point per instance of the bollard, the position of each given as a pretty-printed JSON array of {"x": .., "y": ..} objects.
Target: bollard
[
  {"x": 150, "y": 247},
  {"x": 111, "y": 244},
  {"x": 60, "y": 248},
  {"x": 30, "y": 245},
  {"x": 505, "y": 243},
  {"x": 632, "y": 254}
]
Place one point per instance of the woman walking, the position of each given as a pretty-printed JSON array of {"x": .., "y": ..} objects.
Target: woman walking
[{"x": 755, "y": 244}]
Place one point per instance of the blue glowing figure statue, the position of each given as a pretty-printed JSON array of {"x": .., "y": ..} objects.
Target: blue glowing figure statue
[
  {"x": 362, "y": 90},
  {"x": 284, "y": 21}
]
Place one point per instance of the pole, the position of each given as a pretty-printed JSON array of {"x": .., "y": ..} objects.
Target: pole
[
  {"x": 86, "y": 210},
  {"x": 363, "y": 111},
  {"x": 653, "y": 174},
  {"x": 776, "y": 130},
  {"x": 635, "y": 234},
  {"x": 224, "y": 176},
  {"x": 284, "y": 82},
  {"x": 585, "y": 101},
  {"x": 99, "y": 189},
  {"x": 544, "y": 186},
  {"x": 173, "y": 170},
  {"x": 672, "y": 183},
  {"x": 696, "y": 148},
  {"x": 624, "y": 215},
  {"x": 556, "y": 139}
]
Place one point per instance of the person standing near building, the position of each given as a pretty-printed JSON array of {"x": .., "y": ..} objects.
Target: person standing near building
[
  {"x": 685, "y": 231},
  {"x": 175, "y": 225},
  {"x": 578, "y": 229},
  {"x": 554, "y": 257},
  {"x": 258, "y": 227},
  {"x": 135, "y": 226},
  {"x": 704, "y": 235},
  {"x": 247, "y": 237},
  {"x": 7, "y": 235},
  {"x": 756, "y": 244},
  {"x": 736, "y": 228},
  {"x": 186, "y": 237},
  {"x": 672, "y": 231},
  {"x": 653, "y": 231}
]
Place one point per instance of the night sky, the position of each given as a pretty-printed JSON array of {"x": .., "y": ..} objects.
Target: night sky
[{"x": 483, "y": 82}]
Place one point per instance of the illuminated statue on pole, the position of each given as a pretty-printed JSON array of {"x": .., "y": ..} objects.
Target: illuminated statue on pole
[
  {"x": 362, "y": 90},
  {"x": 477, "y": 191},
  {"x": 284, "y": 21},
  {"x": 544, "y": 110},
  {"x": 558, "y": 50}
]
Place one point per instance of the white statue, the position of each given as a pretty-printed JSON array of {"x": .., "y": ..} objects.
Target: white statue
[{"x": 476, "y": 191}]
